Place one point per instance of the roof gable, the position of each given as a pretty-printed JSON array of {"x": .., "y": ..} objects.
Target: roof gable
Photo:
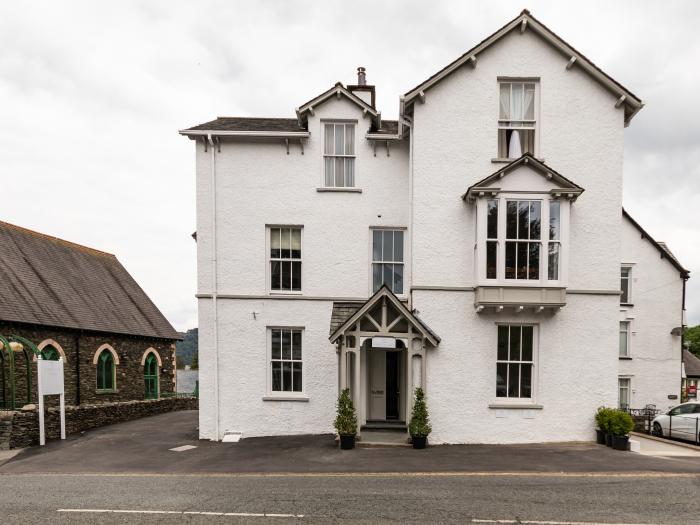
[
  {"x": 339, "y": 91},
  {"x": 363, "y": 309},
  {"x": 525, "y": 21},
  {"x": 491, "y": 185},
  {"x": 52, "y": 282},
  {"x": 663, "y": 250}
]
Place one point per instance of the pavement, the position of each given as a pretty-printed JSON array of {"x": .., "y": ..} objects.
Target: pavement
[
  {"x": 126, "y": 473},
  {"x": 143, "y": 446}
]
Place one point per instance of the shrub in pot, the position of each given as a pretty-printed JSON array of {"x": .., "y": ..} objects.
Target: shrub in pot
[
  {"x": 419, "y": 426},
  {"x": 346, "y": 420},
  {"x": 621, "y": 424},
  {"x": 602, "y": 417}
]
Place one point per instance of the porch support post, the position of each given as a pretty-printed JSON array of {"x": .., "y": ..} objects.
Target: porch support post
[
  {"x": 423, "y": 364},
  {"x": 343, "y": 365},
  {"x": 409, "y": 374},
  {"x": 356, "y": 384}
]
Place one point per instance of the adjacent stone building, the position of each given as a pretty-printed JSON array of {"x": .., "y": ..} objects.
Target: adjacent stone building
[{"x": 64, "y": 300}]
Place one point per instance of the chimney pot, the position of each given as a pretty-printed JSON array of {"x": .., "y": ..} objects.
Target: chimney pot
[{"x": 361, "y": 76}]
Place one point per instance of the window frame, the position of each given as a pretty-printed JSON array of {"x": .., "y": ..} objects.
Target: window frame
[
  {"x": 534, "y": 381},
  {"x": 404, "y": 263},
  {"x": 324, "y": 155},
  {"x": 114, "y": 372},
  {"x": 629, "y": 278},
  {"x": 544, "y": 241},
  {"x": 536, "y": 114},
  {"x": 155, "y": 377},
  {"x": 628, "y": 335},
  {"x": 270, "y": 259},
  {"x": 282, "y": 394},
  {"x": 619, "y": 390}
]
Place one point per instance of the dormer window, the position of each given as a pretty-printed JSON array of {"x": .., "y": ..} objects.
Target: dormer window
[
  {"x": 339, "y": 155},
  {"x": 517, "y": 121}
]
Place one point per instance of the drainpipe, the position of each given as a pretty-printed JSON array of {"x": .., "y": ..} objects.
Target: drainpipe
[
  {"x": 77, "y": 369},
  {"x": 406, "y": 121},
  {"x": 214, "y": 282},
  {"x": 685, "y": 278}
]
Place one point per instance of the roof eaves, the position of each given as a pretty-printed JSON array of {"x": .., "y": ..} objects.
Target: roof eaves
[
  {"x": 630, "y": 99},
  {"x": 685, "y": 274},
  {"x": 338, "y": 89}
]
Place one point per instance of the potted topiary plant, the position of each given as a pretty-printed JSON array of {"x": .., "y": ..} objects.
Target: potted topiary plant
[
  {"x": 601, "y": 419},
  {"x": 621, "y": 424},
  {"x": 346, "y": 421},
  {"x": 419, "y": 426}
]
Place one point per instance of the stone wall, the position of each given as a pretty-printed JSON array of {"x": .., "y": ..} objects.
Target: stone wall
[
  {"x": 79, "y": 349},
  {"x": 25, "y": 423}
]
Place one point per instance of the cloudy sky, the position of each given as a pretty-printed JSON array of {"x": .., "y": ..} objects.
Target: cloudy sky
[{"x": 92, "y": 95}]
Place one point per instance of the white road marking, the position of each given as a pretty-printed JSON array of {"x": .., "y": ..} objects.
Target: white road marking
[
  {"x": 183, "y": 512},
  {"x": 538, "y": 522},
  {"x": 182, "y": 448}
]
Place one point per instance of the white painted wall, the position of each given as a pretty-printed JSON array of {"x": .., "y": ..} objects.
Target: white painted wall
[
  {"x": 657, "y": 294},
  {"x": 454, "y": 139}
]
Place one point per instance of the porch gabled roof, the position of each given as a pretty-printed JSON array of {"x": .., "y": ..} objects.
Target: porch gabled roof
[{"x": 364, "y": 309}]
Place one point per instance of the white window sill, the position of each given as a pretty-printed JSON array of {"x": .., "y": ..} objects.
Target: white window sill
[
  {"x": 274, "y": 397},
  {"x": 515, "y": 405},
  {"x": 339, "y": 190},
  {"x": 283, "y": 292},
  {"x": 508, "y": 161}
]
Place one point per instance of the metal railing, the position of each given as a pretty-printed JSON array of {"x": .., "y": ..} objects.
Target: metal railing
[
  {"x": 687, "y": 428},
  {"x": 177, "y": 395},
  {"x": 679, "y": 427}
]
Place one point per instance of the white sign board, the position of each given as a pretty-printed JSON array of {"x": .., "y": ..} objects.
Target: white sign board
[
  {"x": 50, "y": 379},
  {"x": 383, "y": 342}
]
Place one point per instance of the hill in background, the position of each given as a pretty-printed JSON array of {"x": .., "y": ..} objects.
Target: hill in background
[{"x": 187, "y": 348}]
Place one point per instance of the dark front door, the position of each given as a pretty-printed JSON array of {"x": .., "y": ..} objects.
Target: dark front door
[{"x": 392, "y": 384}]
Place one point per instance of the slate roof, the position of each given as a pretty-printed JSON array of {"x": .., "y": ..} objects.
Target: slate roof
[
  {"x": 342, "y": 312},
  {"x": 249, "y": 124},
  {"x": 692, "y": 364},
  {"x": 52, "y": 282}
]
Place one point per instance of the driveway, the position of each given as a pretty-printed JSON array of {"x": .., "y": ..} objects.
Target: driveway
[{"x": 143, "y": 447}]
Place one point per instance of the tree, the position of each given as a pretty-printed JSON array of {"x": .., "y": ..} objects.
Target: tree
[
  {"x": 692, "y": 337},
  {"x": 187, "y": 348},
  {"x": 420, "y": 421},
  {"x": 346, "y": 419},
  {"x": 195, "y": 362}
]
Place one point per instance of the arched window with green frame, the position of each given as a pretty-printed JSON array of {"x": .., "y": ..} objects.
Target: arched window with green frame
[
  {"x": 50, "y": 353},
  {"x": 150, "y": 376},
  {"x": 105, "y": 370}
]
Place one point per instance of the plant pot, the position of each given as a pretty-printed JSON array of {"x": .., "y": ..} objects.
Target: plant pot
[
  {"x": 599, "y": 436},
  {"x": 419, "y": 441},
  {"x": 609, "y": 439},
  {"x": 620, "y": 442},
  {"x": 347, "y": 441}
]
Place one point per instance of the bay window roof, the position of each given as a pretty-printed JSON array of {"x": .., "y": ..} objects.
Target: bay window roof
[{"x": 490, "y": 185}]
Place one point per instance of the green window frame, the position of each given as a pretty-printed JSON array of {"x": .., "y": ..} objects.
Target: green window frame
[
  {"x": 105, "y": 371},
  {"x": 150, "y": 376}
]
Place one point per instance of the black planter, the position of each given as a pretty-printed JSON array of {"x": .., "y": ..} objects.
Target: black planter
[
  {"x": 620, "y": 442},
  {"x": 419, "y": 441},
  {"x": 608, "y": 440},
  {"x": 347, "y": 441},
  {"x": 600, "y": 436}
]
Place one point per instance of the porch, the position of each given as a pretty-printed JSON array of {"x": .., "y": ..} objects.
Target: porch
[{"x": 382, "y": 358}]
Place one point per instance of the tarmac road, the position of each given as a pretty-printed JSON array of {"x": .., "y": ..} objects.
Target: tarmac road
[{"x": 127, "y": 473}]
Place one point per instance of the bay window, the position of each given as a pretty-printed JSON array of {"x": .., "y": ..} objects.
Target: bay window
[{"x": 515, "y": 246}]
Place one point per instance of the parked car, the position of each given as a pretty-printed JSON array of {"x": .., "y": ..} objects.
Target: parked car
[{"x": 681, "y": 422}]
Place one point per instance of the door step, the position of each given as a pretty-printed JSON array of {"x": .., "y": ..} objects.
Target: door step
[{"x": 397, "y": 426}]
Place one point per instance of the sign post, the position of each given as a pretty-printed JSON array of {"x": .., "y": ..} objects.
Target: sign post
[{"x": 50, "y": 379}]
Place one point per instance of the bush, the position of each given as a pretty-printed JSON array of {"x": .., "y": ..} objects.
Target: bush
[
  {"x": 620, "y": 423},
  {"x": 602, "y": 418},
  {"x": 346, "y": 419},
  {"x": 420, "y": 421}
]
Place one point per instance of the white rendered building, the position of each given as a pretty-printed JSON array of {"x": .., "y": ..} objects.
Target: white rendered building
[{"x": 340, "y": 250}]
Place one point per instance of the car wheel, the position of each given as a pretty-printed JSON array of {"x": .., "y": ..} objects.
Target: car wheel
[{"x": 658, "y": 431}]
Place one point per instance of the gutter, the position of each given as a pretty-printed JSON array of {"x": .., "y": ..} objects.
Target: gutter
[{"x": 272, "y": 134}]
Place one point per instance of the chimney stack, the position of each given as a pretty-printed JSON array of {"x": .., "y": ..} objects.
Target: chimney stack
[
  {"x": 361, "y": 76},
  {"x": 361, "y": 89}
]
